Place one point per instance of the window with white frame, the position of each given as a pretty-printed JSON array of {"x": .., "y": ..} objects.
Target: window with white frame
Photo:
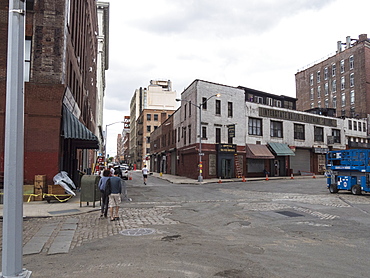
[
  {"x": 352, "y": 97},
  {"x": 318, "y": 134},
  {"x": 299, "y": 132},
  {"x": 319, "y": 104},
  {"x": 311, "y": 79},
  {"x": 354, "y": 125},
  {"x": 312, "y": 105},
  {"x": 334, "y": 102},
  {"x": 319, "y": 91},
  {"x": 269, "y": 101},
  {"x": 351, "y": 62},
  {"x": 333, "y": 70},
  {"x": 27, "y": 60},
  {"x": 343, "y": 99},
  {"x": 311, "y": 94},
  {"x": 334, "y": 86},
  {"x": 277, "y": 103},
  {"x": 318, "y": 77},
  {"x": 326, "y": 88},
  {"x": 359, "y": 126},
  {"x": 352, "y": 80},
  {"x": 342, "y": 83},
  {"x": 336, "y": 135},
  {"x": 326, "y": 103},
  {"x": 326, "y": 73},
  {"x": 341, "y": 66}
]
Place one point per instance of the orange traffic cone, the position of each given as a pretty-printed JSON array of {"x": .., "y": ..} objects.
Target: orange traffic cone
[
  {"x": 267, "y": 177},
  {"x": 313, "y": 176},
  {"x": 130, "y": 176},
  {"x": 291, "y": 176},
  {"x": 243, "y": 179},
  {"x": 219, "y": 180}
]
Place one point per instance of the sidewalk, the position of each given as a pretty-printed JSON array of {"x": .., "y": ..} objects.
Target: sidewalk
[{"x": 72, "y": 206}]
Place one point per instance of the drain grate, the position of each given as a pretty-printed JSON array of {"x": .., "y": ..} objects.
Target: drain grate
[
  {"x": 290, "y": 213},
  {"x": 137, "y": 232}
]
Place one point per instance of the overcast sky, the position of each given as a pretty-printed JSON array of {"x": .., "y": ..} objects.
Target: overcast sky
[{"x": 260, "y": 44}]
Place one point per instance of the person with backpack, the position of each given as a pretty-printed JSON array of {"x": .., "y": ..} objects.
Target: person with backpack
[
  {"x": 115, "y": 188},
  {"x": 104, "y": 197}
]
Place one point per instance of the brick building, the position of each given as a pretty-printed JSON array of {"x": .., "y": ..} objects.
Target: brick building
[
  {"x": 60, "y": 87},
  {"x": 340, "y": 82}
]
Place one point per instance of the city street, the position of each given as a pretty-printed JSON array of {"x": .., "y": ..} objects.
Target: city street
[{"x": 275, "y": 228}]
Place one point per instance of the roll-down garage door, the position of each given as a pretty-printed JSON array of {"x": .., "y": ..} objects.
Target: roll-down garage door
[{"x": 301, "y": 161}]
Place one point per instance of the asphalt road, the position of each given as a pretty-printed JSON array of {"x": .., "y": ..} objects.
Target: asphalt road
[{"x": 276, "y": 228}]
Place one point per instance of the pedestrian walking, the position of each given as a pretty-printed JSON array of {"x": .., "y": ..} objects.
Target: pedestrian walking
[
  {"x": 115, "y": 196},
  {"x": 145, "y": 172},
  {"x": 104, "y": 197}
]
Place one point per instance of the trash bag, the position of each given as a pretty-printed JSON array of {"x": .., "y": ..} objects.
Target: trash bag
[{"x": 64, "y": 181}]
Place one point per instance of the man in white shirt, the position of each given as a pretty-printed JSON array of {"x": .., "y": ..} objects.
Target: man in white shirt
[{"x": 145, "y": 172}]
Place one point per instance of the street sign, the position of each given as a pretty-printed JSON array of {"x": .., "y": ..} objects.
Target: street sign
[{"x": 201, "y": 153}]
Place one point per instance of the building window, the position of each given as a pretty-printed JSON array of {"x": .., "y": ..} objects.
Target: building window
[
  {"x": 336, "y": 135},
  {"x": 311, "y": 79},
  {"x": 230, "y": 109},
  {"x": 318, "y": 77},
  {"x": 27, "y": 59},
  {"x": 312, "y": 105},
  {"x": 255, "y": 126},
  {"x": 342, "y": 83},
  {"x": 334, "y": 86},
  {"x": 351, "y": 62},
  {"x": 155, "y": 117},
  {"x": 326, "y": 73},
  {"x": 326, "y": 103},
  {"x": 319, "y": 134},
  {"x": 218, "y": 107},
  {"x": 184, "y": 135},
  {"x": 185, "y": 109},
  {"x": 349, "y": 124},
  {"x": 343, "y": 99},
  {"x": 354, "y": 125},
  {"x": 204, "y": 132},
  {"x": 352, "y": 97},
  {"x": 311, "y": 94},
  {"x": 178, "y": 134},
  {"x": 333, "y": 70},
  {"x": 364, "y": 127},
  {"x": 326, "y": 88},
  {"x": 269, "y": 101},
  {"x": 342, "y": 66},
  {"x": 276, "y": 129},
  {"x": 189, "y": 134},
  {"x": 204, "y": 103},
  {"x": 218, "y": 135},
  {"x": 148, "y": 140},
  {"x": 155, "y": 127},
  {"x": 259, "y": 100},
  {"x": 335, "y": 102},
  {"x": 319, "y": 104},
  {"x": 319, "y": 91},
  {"x": 299, "y": 132},
  {"x": 359, "y": 126},
  {"x": 148, "y": 117},
  {"x": 352, "y": 80},
  {"x": 277, "y": 103},
  {"x": 148, "y": 128}
]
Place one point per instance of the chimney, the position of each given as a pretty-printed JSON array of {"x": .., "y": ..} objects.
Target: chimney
[
  {"x": 339, "y": 46},
  {"x": 348, "y": 42},
  {"x": 362, "y": 37}
]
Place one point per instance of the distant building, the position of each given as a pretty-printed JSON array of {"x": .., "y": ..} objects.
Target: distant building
[
  {"x": 339, "y": 82},
  {"x": 158, "y": 97}
]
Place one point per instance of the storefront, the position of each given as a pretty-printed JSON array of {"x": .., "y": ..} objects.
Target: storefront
[
  {"x": 280, "y": 166},
  {"x": 258, "y": 159},
  {"x": 225, "y": 164}
]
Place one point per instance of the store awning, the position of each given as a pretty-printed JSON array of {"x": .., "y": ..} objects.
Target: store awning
[
  {"x": 77, "y": 131},
  {"x": 258, "y": 152},
  {"x": 281, "y": 149}
]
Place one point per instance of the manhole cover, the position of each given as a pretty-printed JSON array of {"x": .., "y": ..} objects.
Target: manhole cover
[
  {"x": 289, "y": 213},
  {"x": 137, "y": 232}
]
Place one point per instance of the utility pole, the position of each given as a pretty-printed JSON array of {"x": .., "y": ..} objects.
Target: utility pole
[{"x": 12, "y": 251}]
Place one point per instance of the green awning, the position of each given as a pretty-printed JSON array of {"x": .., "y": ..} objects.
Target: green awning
[
  {"x": 75, "y": 130},
  {"x": 280, "y": 149}
]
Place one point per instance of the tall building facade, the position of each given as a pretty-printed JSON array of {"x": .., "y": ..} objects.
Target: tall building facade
[
  {"x": 158, "y": 96},
  {"x": 61, "y": 106},
  {"x": 340, "y": 82}
]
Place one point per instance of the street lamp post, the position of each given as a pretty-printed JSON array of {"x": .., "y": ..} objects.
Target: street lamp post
[
  {"x": 105, "y": 138},
  {"x": 200, "y": 154}
]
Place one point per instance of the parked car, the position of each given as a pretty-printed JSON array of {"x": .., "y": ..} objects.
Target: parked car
[{"x": 124, "y": 170}]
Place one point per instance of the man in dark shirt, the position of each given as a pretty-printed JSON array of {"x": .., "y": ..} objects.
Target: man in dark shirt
[{"x": 115, "y": 196}]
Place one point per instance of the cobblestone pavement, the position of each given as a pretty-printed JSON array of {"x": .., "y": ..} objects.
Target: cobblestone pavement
[{"x": 41, "y": 234}]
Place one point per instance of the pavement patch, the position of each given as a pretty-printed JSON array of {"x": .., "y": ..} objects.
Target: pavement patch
[
  {"x": 290, "y": 213},
  {"x": 63, "y": 211}
]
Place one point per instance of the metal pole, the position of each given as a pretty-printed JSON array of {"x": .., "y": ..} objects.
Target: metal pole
[
  {"x": 12, "y": 251},
  {"x": 200, "y": 177}
]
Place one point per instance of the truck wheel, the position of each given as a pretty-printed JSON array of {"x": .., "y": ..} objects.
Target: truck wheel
[
  {"x": 333, "y": 188},
  {"x": 356, "y": 190}
]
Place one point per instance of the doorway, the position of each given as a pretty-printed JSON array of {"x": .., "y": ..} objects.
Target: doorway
[{"x": 226, "y": 168}]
